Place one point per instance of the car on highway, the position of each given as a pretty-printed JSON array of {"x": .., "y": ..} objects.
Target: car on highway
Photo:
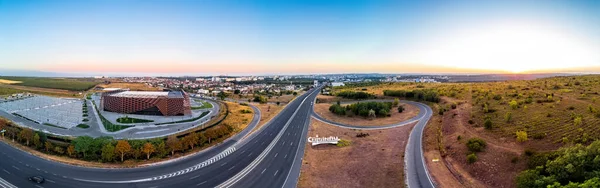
[{"x": 37, "y": 179}]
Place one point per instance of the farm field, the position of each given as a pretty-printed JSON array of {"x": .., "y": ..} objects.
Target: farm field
[
  {"x": 3, "y": 81},
  {"x": 549, "y": 113},
  {"x": 71, "y": 84},
  {"x": 131, "y": 86}
]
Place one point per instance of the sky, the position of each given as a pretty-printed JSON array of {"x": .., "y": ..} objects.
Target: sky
[{"x": 226, "y": 37}]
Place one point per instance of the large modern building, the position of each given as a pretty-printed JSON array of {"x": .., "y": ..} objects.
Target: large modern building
[{"x": 163, "y": 103}]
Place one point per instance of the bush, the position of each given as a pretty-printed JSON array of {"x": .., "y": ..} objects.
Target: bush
[
  {"x": 400, "y": 109},
  {"x": 471, "y": 158},
  {"x": 421, "y": 94},
  {"x": 521, "y": 136},
  {"x": 381, "y": 109},
  {"x": 514, "y": 160},
  {"x": 453, "y": 105},
  {"x": 488, "y": 123},
  {"x": 344, "y": 143},
  {"x": 245, "y": 111},
  {"x": 354, "y": 95},
  {"x": 337, "y": 109},
  {"x": 476, "y": 144}
]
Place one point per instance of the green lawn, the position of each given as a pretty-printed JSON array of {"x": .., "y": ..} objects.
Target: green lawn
[
  {"x": 83, "y": 126},
  {"x": 72, "y": 84},
  {"x": 52, "y": 125},
  {"x": 205, "y": 105},
  {"x": 132, "y": 120},
  {"x": 110, "y": 127}
]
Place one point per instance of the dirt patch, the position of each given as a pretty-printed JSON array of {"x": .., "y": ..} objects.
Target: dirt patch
[
  {"x": 409, "y": 111},
  {"x": 354, "y": 165},
  {"x": 131, "y": 86}
]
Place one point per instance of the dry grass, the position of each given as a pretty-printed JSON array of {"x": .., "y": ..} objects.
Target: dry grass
[
  {"x": 236, "y": 118},
  {"x": 268, "y": 112},
  {"x": 3, "y": 81},
  {"x": 45, "y": 91},
  {"x": 354, "y": 165},
  {"x": 131, "y": 85},
  {"x": 409, "y": 111}
]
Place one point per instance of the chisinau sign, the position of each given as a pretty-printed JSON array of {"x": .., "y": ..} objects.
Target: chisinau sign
[{"x": 323, "y": 140}]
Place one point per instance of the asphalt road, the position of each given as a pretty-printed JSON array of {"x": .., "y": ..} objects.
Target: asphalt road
[
  {"x": 273, "y": 149},
  {"x": 416, "y": 171}
]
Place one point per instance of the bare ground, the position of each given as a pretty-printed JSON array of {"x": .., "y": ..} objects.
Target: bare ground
[
  {"x": 373, "y": 161},
  {"x": 409, "y": 111}
]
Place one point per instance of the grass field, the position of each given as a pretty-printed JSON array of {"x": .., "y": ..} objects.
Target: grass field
[
  {"x": 71, "y": 84},
  {"x": 132, "y": 120},
  {"x": 9, "y": 91},
  {"x": 205, "y": 105}
]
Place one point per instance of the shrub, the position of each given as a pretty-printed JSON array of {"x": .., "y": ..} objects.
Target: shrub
[
  {"x": 471, "y": 158},
  {"x": 337, "y": 109},
  {"x": 514, "y": 159},
  {"x": 471, "y": 122},
  {"x": 476, "y": 144},
  {"x": 400, "y": 109},
  {"x": 488, "y": 123},
  {"x": 521, "y": 136},
  {"x": 354, "y": 95},
  {"x": 529, "y": 151},
  {"x": 513, "y": 104},
  {"x": 458, "y": 137},
  {"x": 453, "y": 105},
  {"x": 344, "y": 143}
]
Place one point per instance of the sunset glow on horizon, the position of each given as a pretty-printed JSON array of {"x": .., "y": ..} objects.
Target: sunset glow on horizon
[{"x": 289, "y": 37}]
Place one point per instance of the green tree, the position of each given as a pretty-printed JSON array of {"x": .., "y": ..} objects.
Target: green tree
[
  {"x": 82, "y": 145},
  {"x": 400, "y": 109},
  {"x": 36, "y": 141},
  {"x": 161, "y": 150},
  {"x": 108, "y": 152},
  {"x": 488, "y": 123},
  {"x": 27, "y": 135},
  {"x": 472, "y": 158},
  {"x": 396, "y": 102},
  {"x": 48, "y": 146},
  {"x": 59, "y": 150},
  {"x": 476, "y": 144},
  {"x": 295, "y": 93}
]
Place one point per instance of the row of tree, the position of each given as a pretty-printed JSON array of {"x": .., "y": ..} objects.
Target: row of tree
[
  {"x": 106, "y": 149},
  {"x": 430, "y": 95},
  {"x": 354, "y": 95}
]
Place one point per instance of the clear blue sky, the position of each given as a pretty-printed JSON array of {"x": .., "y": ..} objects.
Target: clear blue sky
[{"x": 279, "y": 36}]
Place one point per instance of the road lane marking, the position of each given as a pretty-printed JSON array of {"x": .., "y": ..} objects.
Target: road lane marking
[
  {"x": 39, "y": 186},
  {"x": 224, "y": 164},
  {"x": 231, "y": 168},
  {"x": 285, "y": 156},
  {"x": 275, "y": 173},
  {"x": 194, "y": 177},
  {"x": 201, "y": 183},
  {"x": 50, "y": 181},
  {"x": 276, "y": 155},
  {"x": 263, "y": 171},
  {"x": 6, "y": 171},
  {"x": 16, "y": 168},
  {"x": 249, "y": 154}
]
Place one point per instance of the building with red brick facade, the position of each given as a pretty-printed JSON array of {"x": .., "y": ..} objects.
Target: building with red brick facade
[{"x": 162, "y": 103}]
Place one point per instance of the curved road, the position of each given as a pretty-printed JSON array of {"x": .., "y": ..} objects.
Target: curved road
[
  {"x": 269, "y": 157},
  {"x": 416, "y": 171}
]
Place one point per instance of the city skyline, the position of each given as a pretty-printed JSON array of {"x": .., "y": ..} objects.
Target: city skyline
[{"x": 299, "y": 37}]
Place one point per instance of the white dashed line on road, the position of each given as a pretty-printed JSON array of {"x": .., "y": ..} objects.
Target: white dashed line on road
[
  {"x": 195, "y": 177},
  {"x": 16, "y": 168},
  {"x": 285, "y": 156},
  {"x": 263, "y": 171},
  {"x": 50, "y": 181},
  {"x": 39, "y": 186},
  {"x": 224, "y": 164},
  {"x": 249, "y": 154},
  {"x": 275, "y": 173},
  {"x": 201, "y": 183},
  {"x": 276, "y": 154},
  {"x": 6, "y": 171},
  {"x": 231, "y": 168}
]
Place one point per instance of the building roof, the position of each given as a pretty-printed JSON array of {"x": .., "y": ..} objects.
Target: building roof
[{"x": 149, "y": 94}]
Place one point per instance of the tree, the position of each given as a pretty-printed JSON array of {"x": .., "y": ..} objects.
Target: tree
[
  {"x": 48, "y": 146},
  {"x": 190, "y": 140},
  {"x": 161, "y": 150},
  {"x": 36, "y": 141},
  {"x": 372, "y": 113},
  {"x": 521, "y": 136},
  {"x": 27, "y": 135},
  {"x": 237, "y": 92},
  {"x": 173, "y": 144},
  {"x": 396, "y": 102},
  {"x": 210, "y": 134},
  {"x": 83, "y": 144},
  {"x": 70, "y": 150},
  {"x": 222, "y": 95},
  {"x": 513, "y": 104},
  {"x": 148, "y": 149},
  {"x": 400, "y": 109},
  {"x": 122, "y": 148},
  {"x": 295, "y": 93},
  {"x": 508, "y": 117},
  {"x": 201, "y": 139},
  {"x": 108, "y": 152}
]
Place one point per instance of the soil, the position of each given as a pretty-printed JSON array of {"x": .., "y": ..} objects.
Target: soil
[
  {"x": 410, "y": 111},
  {"x": 355, "y": 165},
  {"x": 132, "y": 86}
]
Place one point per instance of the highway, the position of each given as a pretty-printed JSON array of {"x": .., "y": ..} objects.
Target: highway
[
  {"x": 269, "y": 157},
  {"x": 209, "y": 169}
]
